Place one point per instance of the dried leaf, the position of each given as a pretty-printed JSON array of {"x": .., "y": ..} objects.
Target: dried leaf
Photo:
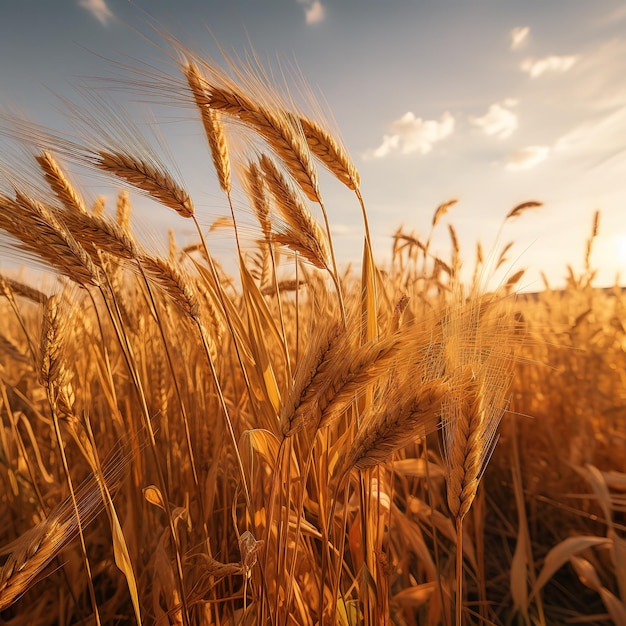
[{"x": 561, "y": 554}]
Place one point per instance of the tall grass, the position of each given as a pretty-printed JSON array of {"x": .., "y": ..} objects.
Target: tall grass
[{"x": 294, "y": 445}]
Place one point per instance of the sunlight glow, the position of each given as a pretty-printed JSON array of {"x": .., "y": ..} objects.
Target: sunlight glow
[{"x": 620, "y": 244}]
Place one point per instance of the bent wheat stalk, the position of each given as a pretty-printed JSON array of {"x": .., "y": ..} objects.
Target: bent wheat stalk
[{"x": 35, "y": 549}]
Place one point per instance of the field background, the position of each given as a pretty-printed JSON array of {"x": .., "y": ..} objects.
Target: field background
[{"x": 291, "y": 442}]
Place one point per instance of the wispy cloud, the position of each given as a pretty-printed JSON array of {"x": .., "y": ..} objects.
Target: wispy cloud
[
  {"x": 314, "y": 11},
  {"x": 537, "y": 67},
  {"x": 617, "y": 15},
  {"x": 600, "y": 82},
  {"x": 499, "y": 121},
  {"x": 595, "y": 139},
  {"x": 99, "y": 9},
  {"x": 519, "y": 37},
  {"x": 527, "y": 157},
  {"x": 413, "y": 134}
]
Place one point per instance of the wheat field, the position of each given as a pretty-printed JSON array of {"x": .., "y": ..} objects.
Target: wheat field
[{"x": 290, "y": 442}]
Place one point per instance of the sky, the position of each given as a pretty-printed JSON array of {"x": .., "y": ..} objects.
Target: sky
[{"x": 487, "y": 102}]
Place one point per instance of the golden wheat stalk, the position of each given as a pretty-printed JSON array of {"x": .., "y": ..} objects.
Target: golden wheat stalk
[{"x": 478, "y": 354}]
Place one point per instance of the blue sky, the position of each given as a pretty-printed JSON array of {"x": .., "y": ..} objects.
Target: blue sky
[{"x": 492, "y": 103}]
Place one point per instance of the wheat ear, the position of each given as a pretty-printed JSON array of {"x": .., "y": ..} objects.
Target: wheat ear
[
  {"x": 35, "y": 549},
  {"x": 122, "y": 211},
  {"x": 310, "y": 377},
  {"x": 349, "y": 373},
  {"x": 101, "y": 233},
  {"x": 173, "y": 283},
  {"x": 213, "y": 128},
  {"x": 302, "y": 233},
  {"x": 275, "y": 125},
  {"x": 32, "y": 553},
  {"x": 258, "y": 199},
  {"x": 60, "y": 183},
  {"x": 330, "y": 152},
  {"x": 41, "y": 234},
  {"x": 398, "y": 421},
  {"x": 479, "y": 356},
  {"x": 149, "y": 177},
  {"x": 10, "y": 288}
]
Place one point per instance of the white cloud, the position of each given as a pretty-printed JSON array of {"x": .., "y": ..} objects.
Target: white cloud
[
  {"x": 527, "y": 157},
  {"x": 99, "y": 9},
  {"x": 314, "y": 11},
  {"x": 537, "y": 67},
  {"x": 499, "y": 121},
  {"x": 519, "y": 37},
  {"x": 413, "y": 134}
]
